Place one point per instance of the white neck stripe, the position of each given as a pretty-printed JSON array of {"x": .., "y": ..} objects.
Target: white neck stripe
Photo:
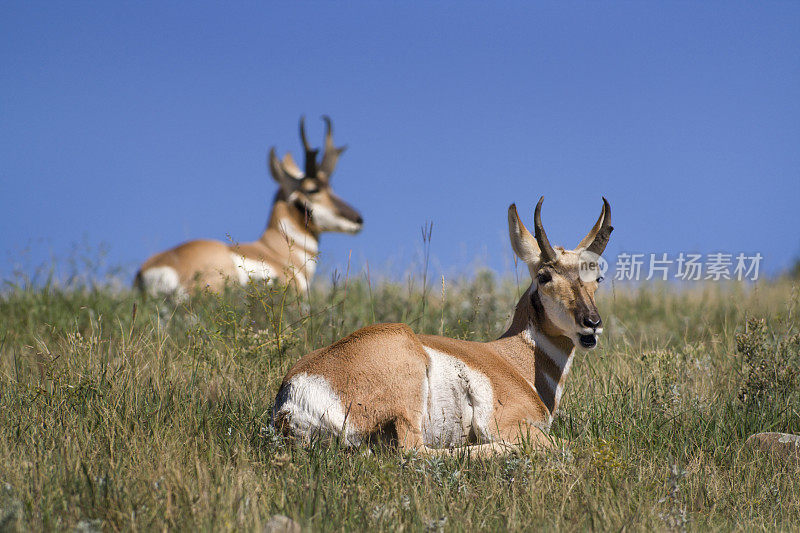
[
  {"x": 561, "y": 360},
  {"x": 296, "y": 237}
]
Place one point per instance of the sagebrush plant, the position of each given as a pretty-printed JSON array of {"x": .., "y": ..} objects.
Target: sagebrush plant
[
  {"x": 124, "y": 413},
  {"x": 772, "y": 365}
]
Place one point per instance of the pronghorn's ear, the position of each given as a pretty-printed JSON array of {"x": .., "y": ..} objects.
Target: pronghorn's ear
[
  {"x": 597, "y": 239},
  {"x": 291, "y": 167},
  {"x": 280, "y": 174},
  {"x": 523, "y": 243},
  {"x": 593, "y": 232}
]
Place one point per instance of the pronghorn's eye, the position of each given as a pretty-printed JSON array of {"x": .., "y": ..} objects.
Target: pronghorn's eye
[
  {"x": 544, "y": 277},
  {"x": 600, "y": 278}
]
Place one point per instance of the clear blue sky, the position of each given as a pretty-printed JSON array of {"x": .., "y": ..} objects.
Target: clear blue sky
[{"x": 144, "y": 124}]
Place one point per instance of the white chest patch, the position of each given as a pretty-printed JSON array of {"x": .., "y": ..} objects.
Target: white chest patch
[
  {"x": 251, "y": 269},
  {"x": 313, "y": 410},
  {"x": 460, "y": 403}
]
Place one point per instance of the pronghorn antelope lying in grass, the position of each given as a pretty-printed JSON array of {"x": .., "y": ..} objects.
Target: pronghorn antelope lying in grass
[
  {"x": 304, "y": 206},
  {"x": 427, "y": 392}
]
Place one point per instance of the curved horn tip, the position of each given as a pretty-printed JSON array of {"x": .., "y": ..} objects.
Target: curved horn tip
[
  {"x": 537, "y": 212},
  {"x": 328, "y": 127},
  {"x": 547, "y": 251}
]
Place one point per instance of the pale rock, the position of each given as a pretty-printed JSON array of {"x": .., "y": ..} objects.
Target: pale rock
[
  {"x": 282, "y": 524},
  {"x": 784, "y": 446}
]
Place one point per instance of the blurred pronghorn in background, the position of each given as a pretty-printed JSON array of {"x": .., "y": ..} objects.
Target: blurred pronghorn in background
[
  {"x": 429, "y": 392},
  {"x": 304, "y": 207}
]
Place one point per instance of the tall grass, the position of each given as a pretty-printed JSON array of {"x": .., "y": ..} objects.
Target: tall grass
[{"x": 120, "y": 413}]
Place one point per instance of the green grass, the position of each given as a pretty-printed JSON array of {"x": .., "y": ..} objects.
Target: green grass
[{"x": 126, "y": 414}]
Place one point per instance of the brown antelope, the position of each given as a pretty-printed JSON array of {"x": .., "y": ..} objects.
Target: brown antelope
[
  {"x": 304, "y": 206},
  {"x": 426, "y": 392}
]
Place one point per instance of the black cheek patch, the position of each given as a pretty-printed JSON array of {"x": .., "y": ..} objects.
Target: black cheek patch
[{"x": 301, "y": 206}]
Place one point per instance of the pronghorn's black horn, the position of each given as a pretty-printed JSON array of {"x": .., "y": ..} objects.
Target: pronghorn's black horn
[
  {"x": 600, "y": 241},
  {"x": 303, "y": 137},
  {"x": 330, "y": 156},
  {"x": 311, "y": 154},
  {"x": 548, "y": 254}
]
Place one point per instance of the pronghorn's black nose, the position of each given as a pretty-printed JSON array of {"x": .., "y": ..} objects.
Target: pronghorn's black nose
[
  {"x": 592, "y": 322},
  {"x": 359, "y": 220}
]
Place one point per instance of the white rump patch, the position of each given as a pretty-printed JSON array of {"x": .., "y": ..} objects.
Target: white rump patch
[
  {"x": 460, "y": 403},
  {"x": 312, "y": 409},
  {"x": 161, "y": 280},
  {"x": 251, "y": 269}
]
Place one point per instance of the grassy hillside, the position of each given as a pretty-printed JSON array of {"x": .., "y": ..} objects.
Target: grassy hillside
[{"x": 122, "y": 414}]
